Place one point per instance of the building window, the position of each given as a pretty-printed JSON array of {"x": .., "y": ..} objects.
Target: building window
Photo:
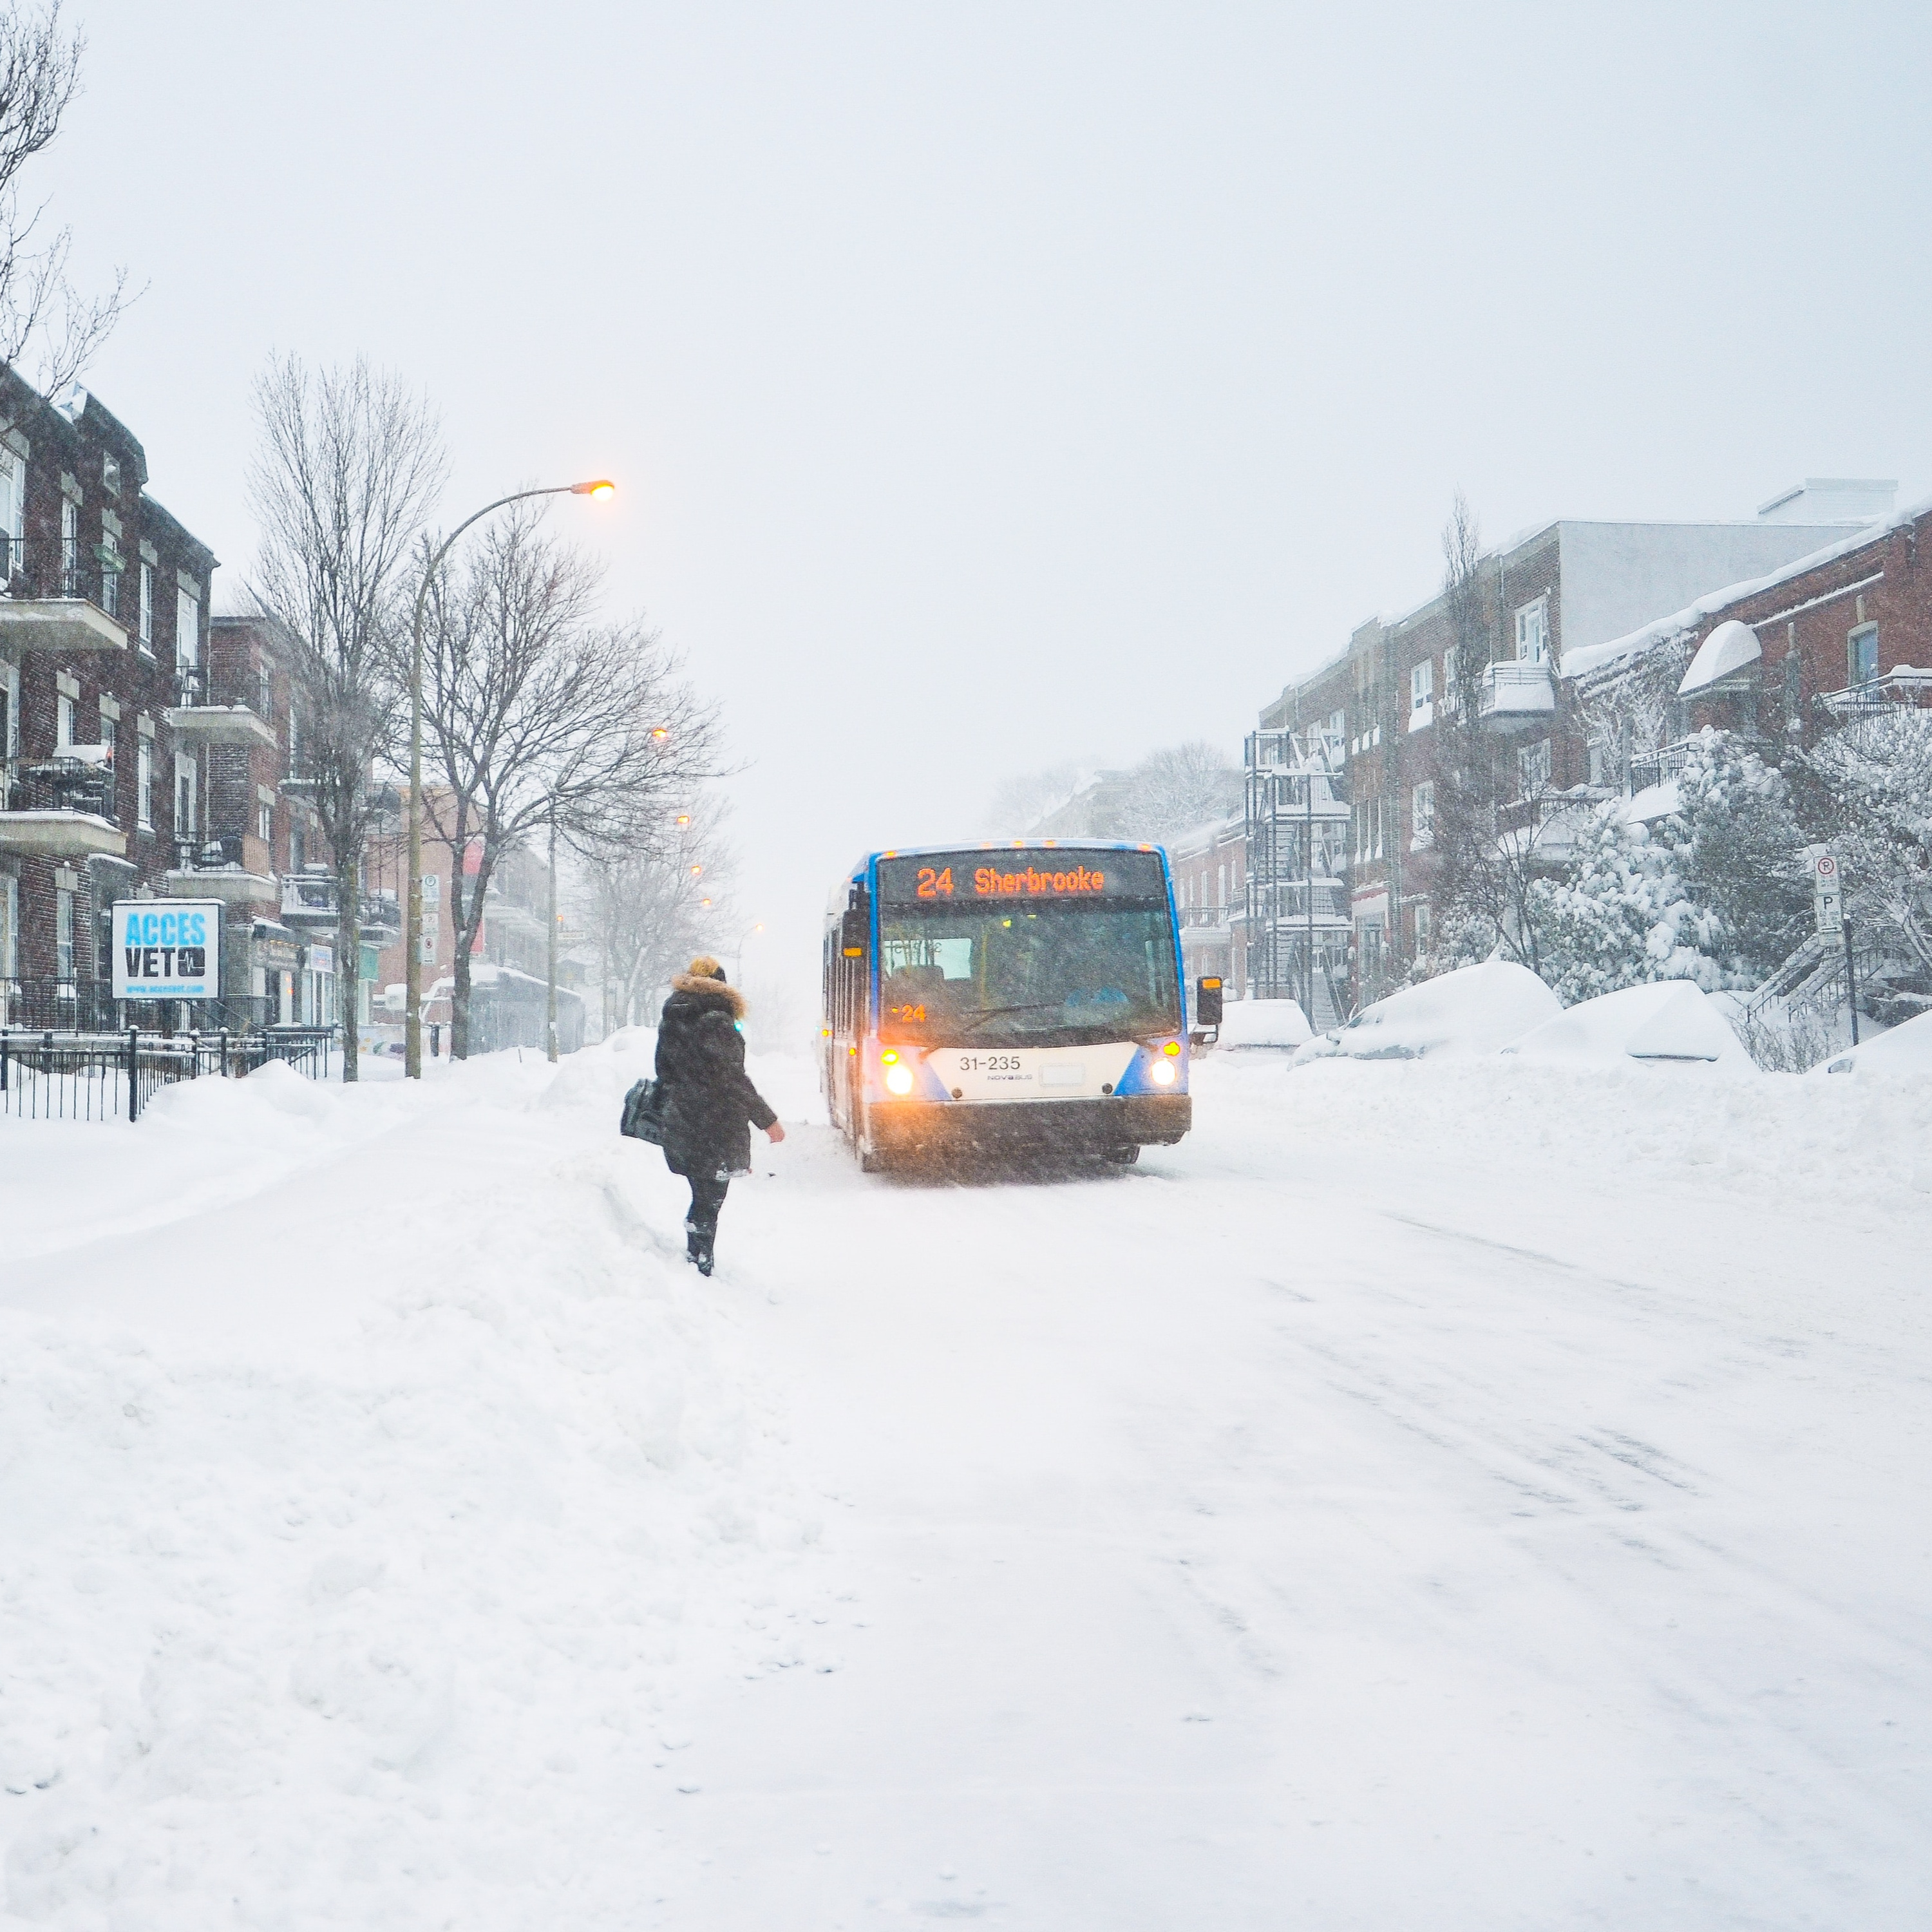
[
  {"x": 264, "y": 823},
  {"x": 298, "y": 845},
  {"x": 13, "y": 509},
  {"x": 1421, "y": 685},
  {"x": 109, "y": 732},
  {"x": 1421, "y": 915},
  {"x": 144, "y": 785},
  {"x": 63, "y": 934},
  {"x": 1533, "y": 763},
  {"x": 110, "y": 577},
  {"x": 264, "y": 690},
  {"x": 63, "y": 722},
  {"x": 70, "y": 548},
  {"x": 147, "y": 608},
  {"x": 188, "y": 631},
  {"x": 185, "y": 796},
  {"x": 1372, "y": 953},
  {"x": 1532, "y": 632},
  {"x": 1861, "y": 654},
  {"x": 110, "y": 474},
  {"x": 1422, "y": 808}
]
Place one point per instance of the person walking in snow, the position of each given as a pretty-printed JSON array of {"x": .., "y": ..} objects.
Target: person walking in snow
[{"x": 710, "y": 1105}]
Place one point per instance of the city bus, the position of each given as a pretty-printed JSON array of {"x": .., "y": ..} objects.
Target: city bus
[{"x": 1022, "y": 995}]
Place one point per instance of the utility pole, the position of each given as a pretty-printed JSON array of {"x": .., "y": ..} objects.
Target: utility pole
[{"x": 552, "y": 1010}]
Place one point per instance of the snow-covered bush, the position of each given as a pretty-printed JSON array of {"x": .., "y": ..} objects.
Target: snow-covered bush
[{"x": 1715, "y": 892}]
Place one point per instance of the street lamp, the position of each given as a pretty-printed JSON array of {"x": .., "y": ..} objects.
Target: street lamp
[
  {"x": 742, "y": 937},
  {"x": 598, "y": 487}
]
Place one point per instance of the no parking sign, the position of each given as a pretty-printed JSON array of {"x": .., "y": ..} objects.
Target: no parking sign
[{"x": 1828, "y": 901}]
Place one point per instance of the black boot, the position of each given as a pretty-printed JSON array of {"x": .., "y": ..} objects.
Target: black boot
[{"x": 700, "y": 1251}]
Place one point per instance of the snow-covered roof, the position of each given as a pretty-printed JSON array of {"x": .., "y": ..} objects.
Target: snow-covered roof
[{"x": 1588, "y": 658}]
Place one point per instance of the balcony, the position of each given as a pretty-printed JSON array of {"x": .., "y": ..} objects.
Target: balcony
[
  {"x": 212, "y": 716},
  {"x": 60, "y": 808},
  {"x": 309, "y": 904},
  {"x": 63, "y": 624},
  {"x": 218, "y": 869},
  {"x": 1900, "y": 686},
  {"x": 1515, "y": 696}
]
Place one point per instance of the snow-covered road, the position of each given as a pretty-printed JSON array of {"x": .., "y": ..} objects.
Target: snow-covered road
[{"x": 1448, "y": 1496}]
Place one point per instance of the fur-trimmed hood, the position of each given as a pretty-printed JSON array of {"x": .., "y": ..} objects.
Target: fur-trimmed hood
[{"x": 707, "y": 989}]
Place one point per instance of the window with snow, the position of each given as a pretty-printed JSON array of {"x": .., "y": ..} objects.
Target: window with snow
[
  {"x": 1533, "y": 763},
  {"x": 1422, "y": 816},
  {"x": 1421, "y": 685},
  {"x": 1532, "y": 632},
  {"x": 1861, "y": 654},
  {"x": 187, "y": 630},
  {"x": 147, "y": 608},
  {"x": 186, "y": 796},
  {"x": 144, "y": 784}
]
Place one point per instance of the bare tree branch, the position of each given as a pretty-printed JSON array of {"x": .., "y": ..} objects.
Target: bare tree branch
[
  {"x": 533, "y": 709},
  {"x": 39, "y": 308},
  {"x": 348, "y": 463}
]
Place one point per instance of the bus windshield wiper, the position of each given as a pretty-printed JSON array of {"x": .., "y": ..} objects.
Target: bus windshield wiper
[{"x": 994, "y": 1012}]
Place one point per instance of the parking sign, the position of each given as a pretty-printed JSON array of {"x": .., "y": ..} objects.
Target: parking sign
[{"x": 1827, "y": 903}]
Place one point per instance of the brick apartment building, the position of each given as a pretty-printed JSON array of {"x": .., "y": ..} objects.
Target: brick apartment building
[
  {"x": 510, "y": 955},
  {"x": 103, "y": 630},
  {"x": 1552, "y": 597},
  {"x": 1210, "y": 868},
  {"x": 1799, "y": 651}
]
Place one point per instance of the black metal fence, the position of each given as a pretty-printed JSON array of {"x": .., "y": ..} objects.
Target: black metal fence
[
  {"x": 88, "y": 1006},
  {"x": 77, "y": 1076}
]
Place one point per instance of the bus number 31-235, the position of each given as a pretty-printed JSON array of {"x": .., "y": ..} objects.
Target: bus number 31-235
[{"x": 935, "y": 885}]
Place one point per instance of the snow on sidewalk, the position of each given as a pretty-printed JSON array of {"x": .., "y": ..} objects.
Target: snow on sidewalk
[{"x": 354, "y": 1527}]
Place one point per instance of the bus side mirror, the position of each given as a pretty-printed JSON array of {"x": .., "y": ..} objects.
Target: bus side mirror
[
  {"x": 1207, "y": 1003},
  {"x": 853, "y": 935}
]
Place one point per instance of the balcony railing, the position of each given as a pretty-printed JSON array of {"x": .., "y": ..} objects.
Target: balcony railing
[
  {"x": 219, "y": 710},
  {"x": 1513, "y": 696},
  {"x": 1660, "y": 767},
  {"x": 310, "y": 901},
  {"x": 1900, "y": 686}
]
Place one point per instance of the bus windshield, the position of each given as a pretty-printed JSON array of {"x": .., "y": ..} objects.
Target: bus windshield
[{"x": 1056, "y": 974}]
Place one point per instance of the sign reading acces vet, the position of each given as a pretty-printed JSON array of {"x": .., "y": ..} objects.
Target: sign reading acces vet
[{"x": 167, "y": 948}]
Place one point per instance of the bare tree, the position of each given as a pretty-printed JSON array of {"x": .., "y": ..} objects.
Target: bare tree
[
  {"x": 1178, "y": 787},
  {"x": 654, "y": 895},
  {"x": 348, "y": 464},
  {"x": 40, "y": 309},
  {"x": 1480, "y": 886},
  {"x": 1022, "y": 800},
  {"x": 535, "y": 713}
]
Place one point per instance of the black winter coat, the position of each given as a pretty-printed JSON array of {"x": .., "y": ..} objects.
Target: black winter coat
[{"x": 710, "y": 1106}]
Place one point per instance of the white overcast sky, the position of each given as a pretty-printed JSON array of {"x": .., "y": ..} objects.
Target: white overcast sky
[{"x": 992, "y": 386}]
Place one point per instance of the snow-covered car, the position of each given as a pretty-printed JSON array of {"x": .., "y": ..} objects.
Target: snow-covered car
[
  {"x": 1669, "y": 1022},
  {"x": 1261, "y": 1026},
  {"x": 1906, "y": 1051},
  {"x": 1475, "y": 1009}
]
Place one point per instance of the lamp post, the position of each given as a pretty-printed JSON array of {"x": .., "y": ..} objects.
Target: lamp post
[
  {"x": 412, "y": 942},
  {"x": 742, "y": 937}
]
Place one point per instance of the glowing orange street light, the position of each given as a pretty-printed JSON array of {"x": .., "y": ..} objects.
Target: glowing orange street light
[{"x": 595, "y": 486}]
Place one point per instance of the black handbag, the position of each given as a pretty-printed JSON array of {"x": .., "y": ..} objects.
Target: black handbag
[{"x": 643, "y": 1117}]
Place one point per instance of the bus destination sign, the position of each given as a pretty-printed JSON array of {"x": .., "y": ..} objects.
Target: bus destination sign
[{"x": 969, "y": 876}]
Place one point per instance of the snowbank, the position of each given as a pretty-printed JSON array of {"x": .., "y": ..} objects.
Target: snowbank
[
  {"x": 1263, "y": 1023},
  {"x": 1906, "y": 1051},
  {"x": 1475, "y": 1009},
  {"x": 357, "y": 1529},
  {"x": 1671, "y": 1022}
]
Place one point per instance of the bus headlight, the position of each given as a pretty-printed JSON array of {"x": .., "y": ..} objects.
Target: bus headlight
[
  {"x": 1163, "y": 1072},
  {"x": 898, "y": 1079}
]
